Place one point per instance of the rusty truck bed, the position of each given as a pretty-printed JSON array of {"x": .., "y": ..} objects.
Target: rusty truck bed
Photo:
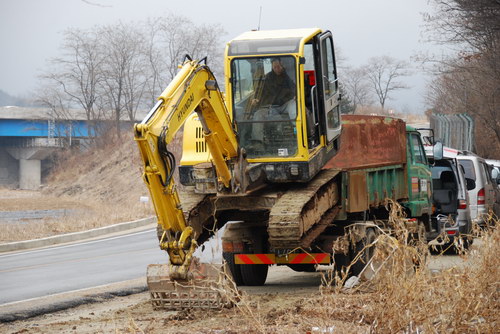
[
  {"x": 372, "y": 157},
  {"x": 370, "y": 141}
]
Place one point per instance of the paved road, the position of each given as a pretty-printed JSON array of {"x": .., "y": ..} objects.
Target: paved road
[
  {"x": 37, "y": 273},
  {"x": 43, "y": 272}
]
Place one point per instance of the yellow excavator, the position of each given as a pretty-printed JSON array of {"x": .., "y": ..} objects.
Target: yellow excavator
[{"x": 254, "y": 156}]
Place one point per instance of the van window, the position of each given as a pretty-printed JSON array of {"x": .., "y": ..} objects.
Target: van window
[
  {"x": 437, "y": 170},
  {"x": 468, "y": 166},
  {"x": 487, "y": 171}
]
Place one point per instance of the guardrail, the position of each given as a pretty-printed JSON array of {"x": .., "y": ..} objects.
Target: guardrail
[{"x": 454, "y": 130}]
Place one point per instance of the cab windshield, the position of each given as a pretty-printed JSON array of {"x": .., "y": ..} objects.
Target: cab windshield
[{"x": 264, "y": 105}]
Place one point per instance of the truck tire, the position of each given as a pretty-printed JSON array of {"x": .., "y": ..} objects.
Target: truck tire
[
  {"x": 367, "y": 254},
  {"x": 305, "y": 268},
  {"x": 235, "y": 269},
  {"x": 254, "y": 274}
]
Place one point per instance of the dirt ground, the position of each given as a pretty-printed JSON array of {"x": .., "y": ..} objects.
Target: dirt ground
[
  {"x": 301, "y": 305},
  {"x": 256, "y": 313}
]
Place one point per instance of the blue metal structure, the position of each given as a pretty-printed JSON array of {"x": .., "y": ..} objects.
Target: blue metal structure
[{"x": 44, "y": 128}]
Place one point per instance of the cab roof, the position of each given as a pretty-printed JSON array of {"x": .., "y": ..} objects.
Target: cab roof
[
  {"x": 262, "y": 42},
  {"x": 304, "y": 33}
]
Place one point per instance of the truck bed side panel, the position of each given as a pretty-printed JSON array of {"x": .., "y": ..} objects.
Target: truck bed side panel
[
  {"x": 370, "y": 141},
  {"x": 369, "y": 188}
]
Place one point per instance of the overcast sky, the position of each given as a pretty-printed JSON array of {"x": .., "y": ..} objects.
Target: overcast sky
[{"x": 31, "y": 30}]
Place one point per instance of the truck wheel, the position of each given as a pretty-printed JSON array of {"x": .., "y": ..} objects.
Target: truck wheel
[
  {"x": 235, "y": 269},
  {"x": 367, "y": 252},
  {"x": 254, "y": 274},
  {"x": 306, "y": 268},
  {"x": 466, "y": 242},
  {"x": 418, "y": 238}
]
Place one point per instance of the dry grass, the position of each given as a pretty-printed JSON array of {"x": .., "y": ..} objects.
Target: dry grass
[
  {"x": 101, "y": 215},
  {"x": 401, "y": 298},
  {"x": 458, "y": 300},
  {"x": 102, "y": 185}
]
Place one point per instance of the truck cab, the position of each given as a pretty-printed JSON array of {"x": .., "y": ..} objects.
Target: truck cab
[{"x": 419, "y": 178}]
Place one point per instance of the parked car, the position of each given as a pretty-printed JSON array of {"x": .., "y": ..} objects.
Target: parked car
[
  {"x": 494, "y": 168},
  {"x": 451, "y": 214},
  {"x": 483, "y": 194},
  {"x": 495, "y": 175}
]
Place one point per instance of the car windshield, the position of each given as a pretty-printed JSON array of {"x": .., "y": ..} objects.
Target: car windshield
[{"x": 264, "y": 105}]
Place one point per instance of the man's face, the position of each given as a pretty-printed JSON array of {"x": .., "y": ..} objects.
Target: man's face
[{"x": 277, "y": 67}]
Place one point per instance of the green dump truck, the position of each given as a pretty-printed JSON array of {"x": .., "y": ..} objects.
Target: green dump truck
[{"x": 379, "y": 159}]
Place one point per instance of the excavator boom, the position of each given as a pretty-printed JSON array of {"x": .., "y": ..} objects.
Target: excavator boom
[{"x": 193, "y": 89}]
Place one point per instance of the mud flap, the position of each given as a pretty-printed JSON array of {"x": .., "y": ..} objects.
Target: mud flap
[{"x": 206, "y": 288}]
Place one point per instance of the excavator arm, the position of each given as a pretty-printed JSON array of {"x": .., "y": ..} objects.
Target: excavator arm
[{"x": 194, "y": 88}]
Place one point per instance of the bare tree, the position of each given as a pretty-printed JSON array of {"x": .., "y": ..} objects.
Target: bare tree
[
  {"x": 357, "y": 86},
  {"x": 154, "y": 58},
  {"x": 124, "y": 70},
  {"x": 113, "y": 71},
  {"x": 466, "y": 88},
  {"x": 77, "y": 74},
  {"x": 470, "y": 81},
  {"x": 169, "y": 39},
  {"x": 383, "y": 74}
]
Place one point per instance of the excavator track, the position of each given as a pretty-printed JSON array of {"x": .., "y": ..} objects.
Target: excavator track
[{"x": 300, "y": 208}]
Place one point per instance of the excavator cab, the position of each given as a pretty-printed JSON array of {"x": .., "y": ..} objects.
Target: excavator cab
[
  {"x": 283, "y": 91},
  {"x": 283, "y": 95},
  {"x": 294, "y": 97}
]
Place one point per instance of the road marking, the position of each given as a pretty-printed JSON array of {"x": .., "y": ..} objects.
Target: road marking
[
  {"x": 68, "y": 292},
  {"x": 76, "y": 244}
]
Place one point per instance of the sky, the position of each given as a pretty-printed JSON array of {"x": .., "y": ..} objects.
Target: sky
[{"x": 31, "y": 30}]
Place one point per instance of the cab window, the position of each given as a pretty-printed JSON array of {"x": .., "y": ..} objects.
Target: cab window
[
  {"x": 264, "y": 94},
  {"x": 418, "y": 151}
]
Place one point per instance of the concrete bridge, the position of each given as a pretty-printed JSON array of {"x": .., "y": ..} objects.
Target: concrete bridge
[{"x": 28, "y": 136}]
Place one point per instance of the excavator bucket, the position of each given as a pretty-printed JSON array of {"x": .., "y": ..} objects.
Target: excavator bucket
[{"x": 205, "y": 288}]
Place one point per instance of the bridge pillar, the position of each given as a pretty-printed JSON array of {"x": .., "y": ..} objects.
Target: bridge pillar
[
  {"x": 30, "y": 172},
  {"x": 30, "y": 164}
]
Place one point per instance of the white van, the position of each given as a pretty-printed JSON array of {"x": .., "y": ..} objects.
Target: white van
[
  {"x": 482, "y": 196},
  {"x": 450, "y": 199}
]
